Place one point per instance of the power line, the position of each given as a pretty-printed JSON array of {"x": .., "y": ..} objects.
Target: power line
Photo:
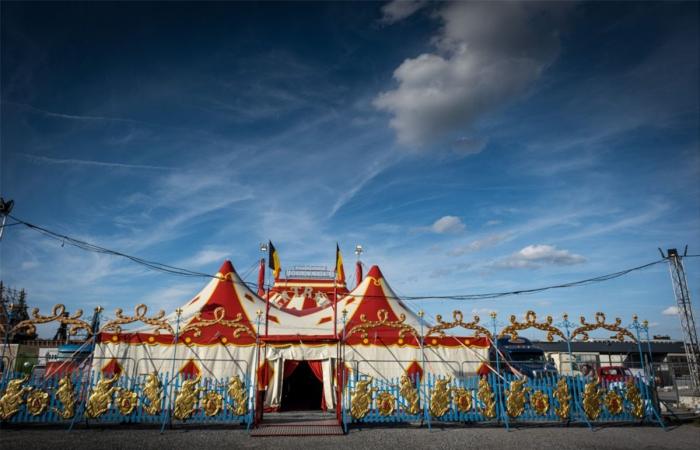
[{"x": 153, "y": 265}]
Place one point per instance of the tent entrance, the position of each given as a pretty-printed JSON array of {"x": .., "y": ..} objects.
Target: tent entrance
[{"x": 302, "y": 387}]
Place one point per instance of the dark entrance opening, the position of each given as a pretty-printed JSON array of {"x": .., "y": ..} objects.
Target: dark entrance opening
[{"x": 301, "y": 390}]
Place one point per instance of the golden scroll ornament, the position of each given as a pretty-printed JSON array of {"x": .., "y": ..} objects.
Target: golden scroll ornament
[
  {"x": 487, "y": 398},
  {"x": 462, "y": 399},
  {"x": 361, "y": 398},
  {"x": 383, "y": 316},
  {"x": 100, "y": 397},
  {"x": 539, "y": 401},
  {"x": 516, "y": 397},
  {"x": 198, "y": 323},
  {"x": 440, "y": 397},
  {"x": 66, "y": 395},
  {"x": 37, "y": 402},
  {"x": 237, "y": 393},
  {"x": 585, "y": 327},
  {"x": 531, "y": 322},
  {"x": 212, "y": 403},
  {"x": 158, "y": 320},
  {"x": 386, "y": 403},
  {"x": 563, "y": 397},
  {"x": 126, "y": 401},
  {"x": 13, "y": 397},
  {"x": 613, "y": 402},
  {"x": 187, "y": 398},
  {"x": 592, "y": 398},
  {"x": 58, "y": 314},
  {"x": 458, "y": 321},
  {"x": 153, "y": 393},
  {"x": 634, "y": 399},
  {"x": 410, "y": 394}
]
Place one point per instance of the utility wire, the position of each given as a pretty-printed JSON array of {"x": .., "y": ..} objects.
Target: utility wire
[{"x": 191, "y": 273}]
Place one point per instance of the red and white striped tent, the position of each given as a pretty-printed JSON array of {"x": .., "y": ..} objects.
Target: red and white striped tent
[{"x": 227, "y": 330}]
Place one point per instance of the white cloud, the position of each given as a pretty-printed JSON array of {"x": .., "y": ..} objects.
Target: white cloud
[
  {"x": 670, "y": 311},
  {"x": 534, "y": 256},
  {"x": 397, "y": 10},
  {"x": 487, "y": 54},
  {"x": 448, "y": 224}
]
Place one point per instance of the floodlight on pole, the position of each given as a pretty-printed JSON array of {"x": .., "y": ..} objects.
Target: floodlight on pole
[
  {"x": 358, "y": 250},
  {"x": 263, "y": 247}
]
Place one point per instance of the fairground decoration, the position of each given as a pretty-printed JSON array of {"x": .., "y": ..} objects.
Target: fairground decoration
[
  {"x": 153, "y": 394},
  {"x": 539, "y": 401},
  {"x": 140, "y": 311},
  {"x": 219, "y": 313},
  {"x": 13, "y": 398},
  {"x": 383, "y": 316},
  {"x": 613, "y": 402},
  {"x": 562, "y": 396},
  {"x": 634, "y": 399},
  {"x": 440, "y": 397},
  {"x": 126, "y": 401},
  {"x": 515, "y": 397},
  {"x": 531, "y": 322},
  {"x": 486, "y": 397},
  {"x": 592, "y": 399},
  {"x": 237, "y": 393},
  {"x": 462, "y": 399},
  {"x": 212, "y": 403},
  {"x": 100, "y": 397},
  {"x": 66, "y": 396},
  {"x": 458, "y": 317},
  {"x": 386, "y": 403},
  {"x": 187, "y": 398},
  {"x": 600, "y": 323},
  {"x": 361, "y": 400},
  {"x": 57, "y": 315},
  {"x": 410, "y": 394},
  {"x": 37, "y": 402}
]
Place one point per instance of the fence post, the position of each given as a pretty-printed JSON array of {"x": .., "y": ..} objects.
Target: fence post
[
  {"x": 168, "y": 414},
  {"x": 499, "y": 390},
  {"x": 647, "y": 393},
  {"x": 426, "y": 400}
]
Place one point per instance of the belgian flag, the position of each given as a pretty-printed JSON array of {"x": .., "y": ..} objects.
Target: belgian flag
[
  {"x": 274, "y": 260},
  {"x": 339, "y": 271}
]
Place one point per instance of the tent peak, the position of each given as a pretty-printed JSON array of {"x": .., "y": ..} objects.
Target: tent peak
[
  {"x": 226, "y": 267},
  {"x": 374, "y": 272}
]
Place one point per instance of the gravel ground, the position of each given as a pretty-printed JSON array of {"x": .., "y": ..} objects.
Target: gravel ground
[{"x": 626, "y": 437}]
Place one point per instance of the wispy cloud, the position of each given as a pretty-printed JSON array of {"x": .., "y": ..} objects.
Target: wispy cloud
[
  {"x": 74, "y": 116},
  {"x": 480, "y": 244},
  {"x": 90, "y": 163}
]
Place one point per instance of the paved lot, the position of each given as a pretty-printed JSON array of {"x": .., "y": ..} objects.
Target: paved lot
[{"x": 682, "y": 437}]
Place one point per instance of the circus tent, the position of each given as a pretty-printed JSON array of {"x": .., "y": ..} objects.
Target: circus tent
[{"x": 227, "y": 329}]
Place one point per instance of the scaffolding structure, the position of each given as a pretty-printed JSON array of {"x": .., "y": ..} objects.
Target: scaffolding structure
[{"x": 685, "y": 313}]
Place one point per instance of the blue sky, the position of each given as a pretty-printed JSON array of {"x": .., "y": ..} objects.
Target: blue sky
[{"x": 469, "y": 147}]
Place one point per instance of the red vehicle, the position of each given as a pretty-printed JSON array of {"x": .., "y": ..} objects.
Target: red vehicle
[{"x": 614, "y": 374}]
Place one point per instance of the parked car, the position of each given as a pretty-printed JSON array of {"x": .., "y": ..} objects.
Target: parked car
[{"x": 519, "y": 355}]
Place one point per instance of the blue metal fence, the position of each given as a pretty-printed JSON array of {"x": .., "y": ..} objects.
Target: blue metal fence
[
  {"x": 76, "y": 398},
  {"x": 506, "y": 399}
]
